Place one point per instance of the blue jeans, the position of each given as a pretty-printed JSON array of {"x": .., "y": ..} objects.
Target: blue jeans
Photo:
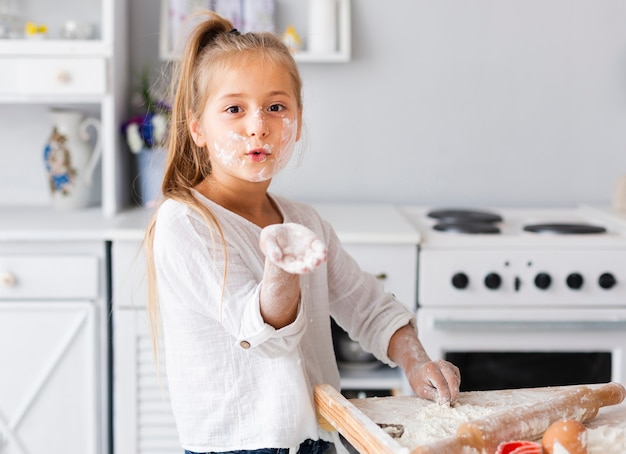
[{"x": 307, "y": 447}]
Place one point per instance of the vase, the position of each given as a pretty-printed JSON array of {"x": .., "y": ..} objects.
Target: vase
[
  {"x": 322, "y": 37},
  {"x": 70, "y": 160},
  {"x": 150, "y": 169}
]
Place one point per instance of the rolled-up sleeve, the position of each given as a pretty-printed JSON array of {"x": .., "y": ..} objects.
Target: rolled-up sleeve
[{"x": 258, "y": 336}]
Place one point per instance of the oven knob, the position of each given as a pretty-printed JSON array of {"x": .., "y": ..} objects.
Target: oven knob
[
  {"x": 574, "y": 281},
  {"x": 493, "y": 281},
  {"x": 460, "y": 280},
  {"x": 543, "y": 281},
  {"x": 607, "y": 280}
]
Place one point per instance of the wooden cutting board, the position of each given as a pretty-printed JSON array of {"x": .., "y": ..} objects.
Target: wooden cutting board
[{"x": 479, "y": 420}]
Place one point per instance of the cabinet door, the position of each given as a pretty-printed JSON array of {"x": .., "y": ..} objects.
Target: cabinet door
[
  {"x": 48, "y": 379},
  {"x": 394, "y": 264},
  {"x": 143, "y": 420}
]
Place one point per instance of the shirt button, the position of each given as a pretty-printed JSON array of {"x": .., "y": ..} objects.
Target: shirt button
[{"x": 244, "y": 344}]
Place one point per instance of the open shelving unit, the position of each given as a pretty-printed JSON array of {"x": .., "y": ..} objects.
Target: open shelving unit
[
  {"x": 341, "y": 55},
  {"x": 84, "y": 74}
]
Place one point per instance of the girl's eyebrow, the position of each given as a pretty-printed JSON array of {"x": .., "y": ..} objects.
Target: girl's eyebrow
[
  {"x": 279, "y": 92},
  {"x": 241, "y": 95},
  {"x": 231, "y": 95}
]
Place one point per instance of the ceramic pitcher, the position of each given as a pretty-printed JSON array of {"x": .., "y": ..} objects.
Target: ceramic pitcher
[{"x": 70, "y": 160}]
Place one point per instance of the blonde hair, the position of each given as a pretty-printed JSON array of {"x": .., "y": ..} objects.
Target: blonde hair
[{"x": 212, "y": 47}]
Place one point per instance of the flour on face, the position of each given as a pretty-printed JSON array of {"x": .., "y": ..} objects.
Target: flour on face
[
  {"x": 226, "y": 149},
  {"x": 234, "y": 150}
]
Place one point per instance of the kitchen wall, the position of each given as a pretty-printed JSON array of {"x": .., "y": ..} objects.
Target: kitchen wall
[{"x": 457, "y": 102}]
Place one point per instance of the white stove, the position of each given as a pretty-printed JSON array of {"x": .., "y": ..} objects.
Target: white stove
[
  {"x": 540, "y": 293},
  {"x": 527, "y": 257}
]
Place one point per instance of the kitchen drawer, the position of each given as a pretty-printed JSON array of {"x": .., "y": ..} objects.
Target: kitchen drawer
[
  {"x": 52, "y": 76},
  {"x": 48, "y": 277},
  {"x": 394, "y": 264}
]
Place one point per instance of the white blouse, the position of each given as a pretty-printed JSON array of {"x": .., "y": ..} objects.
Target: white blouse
[{"x": 234, "y": 381}]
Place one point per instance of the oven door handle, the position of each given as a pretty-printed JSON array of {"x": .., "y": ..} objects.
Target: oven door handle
[{"x": 529, "y": 325}]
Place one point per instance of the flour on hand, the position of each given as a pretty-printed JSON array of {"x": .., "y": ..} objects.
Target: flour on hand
[{"x": 292, "y": 247}]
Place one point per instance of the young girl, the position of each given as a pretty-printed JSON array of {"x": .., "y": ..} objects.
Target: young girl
[{"x": 243, "y": 281}]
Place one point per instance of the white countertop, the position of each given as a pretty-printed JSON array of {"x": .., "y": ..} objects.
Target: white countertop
[
  {"x": 369, "y": 223},
  {"x": 607, "y": 213},
  {"x": 19, "y": 224},
  {"x": 354, "y": 223}
]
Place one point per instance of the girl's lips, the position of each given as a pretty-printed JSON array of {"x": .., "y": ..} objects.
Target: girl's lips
[{"x": 258, "y": 155}]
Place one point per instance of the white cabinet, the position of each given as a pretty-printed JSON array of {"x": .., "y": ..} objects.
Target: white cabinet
[
  {"x": 53, "y": 348},
  {"x": 47, "y": 388},
  {"x": 52, "y": 76},
  {"x": 142, "y": 416},
  {"x": 88, "y": 75},
  {"x": 143, "y": 421},
  {"x": 377, "y": 236}
]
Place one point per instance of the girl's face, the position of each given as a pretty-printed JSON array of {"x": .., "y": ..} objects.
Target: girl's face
[{"x": 250, "y": 123}]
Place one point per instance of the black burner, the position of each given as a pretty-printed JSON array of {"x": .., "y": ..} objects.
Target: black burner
[
  {"x": 465, "y": 221},
  {"x": 466, "y": 227},
  {"x": 567, "y": 229},
  {"x": 464, "y": 216}
]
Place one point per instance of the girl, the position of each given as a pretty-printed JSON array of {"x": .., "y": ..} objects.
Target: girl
[{"x": 247, "y": 281}]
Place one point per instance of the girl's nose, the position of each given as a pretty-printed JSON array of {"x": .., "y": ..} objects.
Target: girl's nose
[{"x": 258, "y": 126}]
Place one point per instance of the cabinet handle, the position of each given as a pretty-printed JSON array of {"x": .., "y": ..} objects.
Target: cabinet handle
[
  {"x": 381, "y": 276},
  {"x": 8, "y": 279},
  {"x": 64, "y": 77}
]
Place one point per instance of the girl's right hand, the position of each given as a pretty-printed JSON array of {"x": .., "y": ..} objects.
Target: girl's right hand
[{"x": 292, "y": 247}]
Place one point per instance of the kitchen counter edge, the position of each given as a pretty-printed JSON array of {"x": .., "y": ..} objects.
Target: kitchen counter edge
[{"x": 354, "y": 224}]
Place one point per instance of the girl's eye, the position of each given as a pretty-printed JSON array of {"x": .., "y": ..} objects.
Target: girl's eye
[
  {"x": 233, "y": 109},
  {"x": 276, "y": 108}
]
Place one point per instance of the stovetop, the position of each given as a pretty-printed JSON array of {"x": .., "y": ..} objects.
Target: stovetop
[{"x": 512, "y": 227}]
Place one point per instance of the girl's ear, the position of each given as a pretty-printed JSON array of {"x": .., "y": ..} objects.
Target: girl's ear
[
  {"x": 196, "y": 131},
  {"x": 299, "y": 134}
]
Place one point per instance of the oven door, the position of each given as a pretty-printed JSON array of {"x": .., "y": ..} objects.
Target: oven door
[{"x": 521, "y": 348}]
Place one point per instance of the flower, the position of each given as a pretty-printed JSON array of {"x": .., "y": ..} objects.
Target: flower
[{"x": 147, "y": 130}]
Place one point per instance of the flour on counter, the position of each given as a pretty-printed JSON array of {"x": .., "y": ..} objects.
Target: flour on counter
[
  {"x": 426, "y": 422},
  {"x": 607, "y": 440},
  {"x": 607, "y": 431}
]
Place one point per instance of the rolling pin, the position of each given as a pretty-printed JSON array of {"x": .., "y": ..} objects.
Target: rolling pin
[{"x": 530, "y": 422}]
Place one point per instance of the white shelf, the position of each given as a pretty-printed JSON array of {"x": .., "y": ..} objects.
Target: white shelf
[
  {"x": 47, "y": 99},
  {"x": 53, "y": 48},
  {"x": 307, "y": 57},
  {"x": 344, "y": 38}
]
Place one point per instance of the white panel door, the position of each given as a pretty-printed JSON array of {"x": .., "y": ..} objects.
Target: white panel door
[{"x": 49, "y": 378}]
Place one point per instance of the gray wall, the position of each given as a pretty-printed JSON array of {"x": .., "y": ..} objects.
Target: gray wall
[{"x": 458, "y": 102}]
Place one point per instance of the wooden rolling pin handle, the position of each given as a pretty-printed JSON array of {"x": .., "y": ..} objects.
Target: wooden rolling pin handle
[
  {"x": 579, "y": 403},
  {"x": 610, "y": 394}
]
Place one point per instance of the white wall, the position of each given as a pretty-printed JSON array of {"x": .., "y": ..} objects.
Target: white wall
[{"x": 459, "y": 102}]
